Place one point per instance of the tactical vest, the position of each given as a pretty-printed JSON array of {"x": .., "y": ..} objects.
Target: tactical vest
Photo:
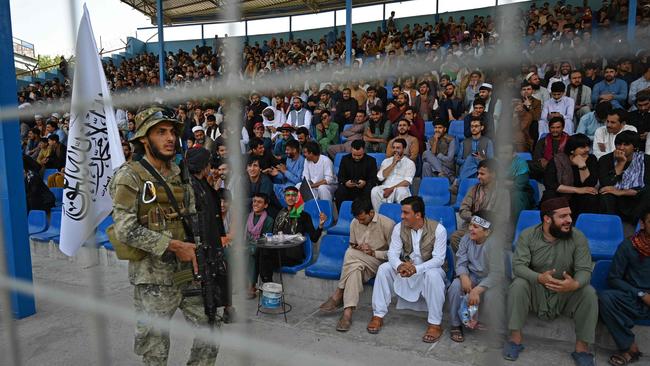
[
  {"x": 155, "y": 211},
  {"x": 427, "y": 240}
]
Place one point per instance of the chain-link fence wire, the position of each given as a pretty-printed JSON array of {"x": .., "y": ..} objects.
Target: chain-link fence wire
[{"x": 233, "y": 89}]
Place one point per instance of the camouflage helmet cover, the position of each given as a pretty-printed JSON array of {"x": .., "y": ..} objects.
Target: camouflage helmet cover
[{"x": 151, "y": 116}]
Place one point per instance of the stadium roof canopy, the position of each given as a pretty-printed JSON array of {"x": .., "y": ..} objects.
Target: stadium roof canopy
[{"x": 203, "y": 11}]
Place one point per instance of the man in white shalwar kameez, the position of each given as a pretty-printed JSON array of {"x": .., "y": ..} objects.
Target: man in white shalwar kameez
[{"x": 414, "y": 270}]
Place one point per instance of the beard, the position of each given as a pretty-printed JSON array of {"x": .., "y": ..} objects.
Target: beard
[
  {"x": 158, "y": 154},
  {"x": 556, "y": 231}
]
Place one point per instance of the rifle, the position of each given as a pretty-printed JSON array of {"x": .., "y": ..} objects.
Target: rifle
[{"x": 212, "y": 272}]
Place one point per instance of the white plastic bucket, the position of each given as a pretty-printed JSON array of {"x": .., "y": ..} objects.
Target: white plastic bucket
[{"x": 271, "y": 295}]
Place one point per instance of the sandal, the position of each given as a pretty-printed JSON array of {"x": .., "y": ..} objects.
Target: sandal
[
  {"x": 624, "y": 358},
  {"x": 433, "y": 333},
  {"x": 583, "y": 359},
  {"x": 343, "y": 324},
  {"x": 375, "y": 325},
  {"x": 456, "y": 334},
  {"x": 511, "y": 351},
  {"x": 331, "y": 305}
]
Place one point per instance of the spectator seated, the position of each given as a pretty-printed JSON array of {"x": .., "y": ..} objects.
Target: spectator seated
[
  {"x": 604, "y": 233},
  {"x": 342, "y": 226},
  {"x": 330, "y": 259},
  {"x": 36, "y": 221}
]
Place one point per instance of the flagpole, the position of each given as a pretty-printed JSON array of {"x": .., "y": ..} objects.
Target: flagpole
[{"x": 315, "y": 199}]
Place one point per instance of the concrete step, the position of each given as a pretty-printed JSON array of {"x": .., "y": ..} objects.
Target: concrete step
[{"x": 317, "y": 290}]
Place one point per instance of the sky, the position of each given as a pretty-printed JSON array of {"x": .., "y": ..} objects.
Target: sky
[{"x": 47, "y": 25}]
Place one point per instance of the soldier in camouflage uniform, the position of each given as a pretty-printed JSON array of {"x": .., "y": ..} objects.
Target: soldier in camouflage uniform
[{"x": 145, "y": 220}]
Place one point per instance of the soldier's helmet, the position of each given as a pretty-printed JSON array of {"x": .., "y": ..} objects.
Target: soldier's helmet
[{"x": 151, "y": 116}]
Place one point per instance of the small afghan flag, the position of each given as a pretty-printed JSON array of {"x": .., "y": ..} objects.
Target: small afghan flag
[{"x": 296, "y": 210}]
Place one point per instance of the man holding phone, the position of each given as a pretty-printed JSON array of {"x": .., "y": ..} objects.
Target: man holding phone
[{"x": 369, "y": 236}]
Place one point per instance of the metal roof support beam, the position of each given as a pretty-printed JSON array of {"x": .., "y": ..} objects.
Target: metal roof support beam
[
  {"x": 437, "y": 11},
  {"x": 246, "y": 31},
  {"x": 161, "y": 43},
  {"x": 348, "y": 32},
  {"x": 336, "y": 31},
  {"x": 631, "y": 22},
  {"x": 383, "y": 17},
  {"x": 290, "y": 28}
]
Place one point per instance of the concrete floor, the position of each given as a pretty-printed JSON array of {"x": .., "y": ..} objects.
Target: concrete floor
[{"x": 59, "y": 335}]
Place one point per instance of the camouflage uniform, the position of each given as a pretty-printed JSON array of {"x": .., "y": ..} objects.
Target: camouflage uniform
[{"x": 155, "y": 294}]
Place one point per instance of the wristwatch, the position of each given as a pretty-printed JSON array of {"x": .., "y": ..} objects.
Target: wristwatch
[{"x": 641, "y": 293}]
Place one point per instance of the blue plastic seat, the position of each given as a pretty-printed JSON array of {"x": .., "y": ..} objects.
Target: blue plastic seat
[
  {"x": 101, "y": 238},
  {"x": 326, "y": 207},
  {"x": 525, "y": 155},
  {"x": 36, "y": 221},
  {"x": 53, "y": 230},
  {"x": 391, "y": 210},
  {"x": 379, "y": 157},
  {"x": 435, "y": 191},
  {"x": 342, "y": 226},
  {"x": 599, "y": 283},
  {"x": 527, "y": 218},
  {"x": 428, "y": 129},
  {"x": 343, "y": 139},
  {"x": 451, "y": 266},
  {"x": 599, "y": 275},
  {"x": 604, "y": 233},
  {"x": 58, "y": 196},
  {"x": 463, "y": 188},
  {"x": 47, "y": 173},
  {"x": 443, "y": 214},
  {"x": 309, "y": 255},
  {"x": 330, "y": 260},
  {"x": 337, "y": 161},
  {"x": 457, "y": 129},
  {"x": 535, "y": 186}
]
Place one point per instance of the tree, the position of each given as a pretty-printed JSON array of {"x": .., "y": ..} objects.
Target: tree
[{"x": 47, "y": 62}]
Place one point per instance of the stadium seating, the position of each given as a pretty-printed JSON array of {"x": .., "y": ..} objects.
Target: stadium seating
[
  {"x": 457, "y": 129},
  {"x": 343, "y": 139},
  {"x": 337, "y": 161},
  {"x": 100, "y": 234},
  {"x": 330, "y": 259},
  {"x": 599, "y": 275},
  {"x": 525, "y": 155},
  {"x": 342, "y": 226},
  {"x": 327, "y": 207},
  {"x": 443, "y": 214},
  {"x": 47, "y": 173},
  {"x": 451, "y": 265},
  {"x": 463, "y": 188},
  {"x": 58, "y": 196},
  {"x": 53, "y": 230},
  {"x": 536, "y": 195},
  {"x": 391, "y": 210},
  {"x": 599, "y": 282},
  {"x": 309, "y": 255},
  {"x": 36, "y": 221},
  {"x": 435, "y": 191},
  {"x": 604, "y": 233},
  {"x": 428, "y": 129},
  {"x": 527, "y": 218},
  {"x": 379, "y": 157}
]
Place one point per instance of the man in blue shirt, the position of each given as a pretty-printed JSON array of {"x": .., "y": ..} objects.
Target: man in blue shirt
[
  {"x": 611, "y": 89},
  {"x": 288, "y": 173},
  {"x": 594, "y": 119}
]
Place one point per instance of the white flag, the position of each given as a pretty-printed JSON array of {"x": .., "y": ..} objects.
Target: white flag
[{"x": 94, "y": 147}]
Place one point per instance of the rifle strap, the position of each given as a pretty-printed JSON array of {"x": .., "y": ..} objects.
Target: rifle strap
[{"x": 145, "y": 164}]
